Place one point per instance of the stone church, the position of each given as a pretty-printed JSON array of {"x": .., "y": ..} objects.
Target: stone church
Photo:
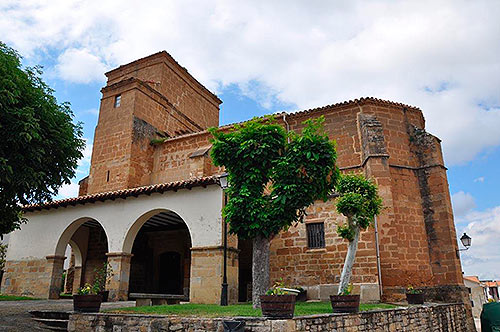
[{"x": 151, "y": 205}]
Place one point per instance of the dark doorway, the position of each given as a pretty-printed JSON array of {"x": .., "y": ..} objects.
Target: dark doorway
[{"x": 171, "y": 273}]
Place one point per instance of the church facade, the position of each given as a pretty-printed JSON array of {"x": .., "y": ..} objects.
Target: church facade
[{"x": 151, "y": 205}]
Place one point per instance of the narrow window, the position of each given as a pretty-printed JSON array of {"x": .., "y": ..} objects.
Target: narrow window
[
  {"x": 118, "y": 100},
  {"x": 315, "y": 235},
  {"x": 107, "y": 177}
]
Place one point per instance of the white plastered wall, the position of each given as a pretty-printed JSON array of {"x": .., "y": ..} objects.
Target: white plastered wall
[{"x": 48, "y": 231}]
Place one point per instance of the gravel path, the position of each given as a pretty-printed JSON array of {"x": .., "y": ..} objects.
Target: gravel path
[{"x": 14, "y": 315}]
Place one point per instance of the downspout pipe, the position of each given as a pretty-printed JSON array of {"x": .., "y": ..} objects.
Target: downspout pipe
[
  {"x": 377, "y": 248},
  {"x": 287, "y": 126}
]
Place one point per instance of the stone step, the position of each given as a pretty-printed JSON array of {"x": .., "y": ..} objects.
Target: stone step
[
  {"x": 50, "y": 314},
  {"x": 52, "y": 320},
  {"x": 53, "y": 324}
]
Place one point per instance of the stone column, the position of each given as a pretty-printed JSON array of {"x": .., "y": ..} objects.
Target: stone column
[
  {"x": 77, "y": 278},
  {"x": 439, "y": 223},
  {"x": 376, "y": 166},
  {"x": 54, "y": 269},
  {"x": 207, "y": 271},
  {"x": 232, "y": 274},
  {"x": 118, "y": 285}
]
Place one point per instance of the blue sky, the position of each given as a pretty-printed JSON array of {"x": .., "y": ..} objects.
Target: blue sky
[{"x": 260, "y": 57}]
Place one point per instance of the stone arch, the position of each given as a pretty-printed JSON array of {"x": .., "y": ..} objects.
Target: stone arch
[
  {"x": 89, "y": 245},
  {"x": 160, "y": 244},
  {"x": 77, "y": 252},
  {"x": 128, "y": 242},
  {"x": 68, "y": 232}
]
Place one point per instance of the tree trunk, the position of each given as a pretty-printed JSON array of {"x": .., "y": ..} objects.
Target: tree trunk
[
  {"x": 260, "y": 268},
  {"x": 345, "y": 277}
]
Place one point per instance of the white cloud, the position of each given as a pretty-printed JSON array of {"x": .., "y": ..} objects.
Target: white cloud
[
  {"x": 87, "y": 154},
  {"x": 80, "y": 66},
  {"x": 483, "y": 257},
  {"x": 441, "y": 56},
  {"x": 92, "y": 111},
  {"x": 479, "y": 179},
  {"x": 68, "y": 190},
  {"x": 462, "y": 203}
]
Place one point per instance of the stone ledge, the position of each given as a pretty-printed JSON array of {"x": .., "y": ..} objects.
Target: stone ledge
[{"x": 415, "y": 318}]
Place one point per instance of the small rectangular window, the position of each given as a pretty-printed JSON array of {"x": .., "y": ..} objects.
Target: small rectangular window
[
  {"x": 315, "y": 235},
  {"x": 118, "y": 100}
]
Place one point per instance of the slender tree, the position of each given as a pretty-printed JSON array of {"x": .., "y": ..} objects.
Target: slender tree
[
  {"x": 359, "y": 201},
  {"x": 273, "y": 180},
  {"x": 39, "y": 144}
]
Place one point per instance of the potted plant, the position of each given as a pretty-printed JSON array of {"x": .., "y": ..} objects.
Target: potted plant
[
  {"x": 302, "y": 295},
  {"x": 87, "y": 299},
  {"x": 414, "y": 295},
  {"x": 345, "y": 302},
  {"x": 416, "y": 282},
  {"x": 101, "y": 278},
  {"x": 279, "y": 302}
]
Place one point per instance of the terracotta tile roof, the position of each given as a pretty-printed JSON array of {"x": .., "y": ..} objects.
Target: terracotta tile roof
[
  {"x": 473, "y": 279},
  {"x": 360, "y": 101},
  {"x": 492, "y": 283},
  {"x": 124, "y": 193}
]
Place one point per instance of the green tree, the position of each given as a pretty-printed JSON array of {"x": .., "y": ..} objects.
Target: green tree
[
  {"x": 274, "y": 177},
  {"x": 39, "y": 144},
  {"x": 359, "y": 201}
]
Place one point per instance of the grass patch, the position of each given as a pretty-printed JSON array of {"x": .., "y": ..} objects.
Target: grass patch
[
  {"x": 243, "y": 309},
  {"x": 16, "y": 298},
  {"x": 65, "y": 296}
]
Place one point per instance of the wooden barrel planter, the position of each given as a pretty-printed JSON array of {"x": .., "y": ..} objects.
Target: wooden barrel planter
[
  {"x": 415, "y": 298},
  {"x": 104, "y": 295},
  {"x": 345, "y": 303},
  {"x": 277, "y": 306},
  {"x": 87, "y": 303},
  {"x": 302, "y": 296}
]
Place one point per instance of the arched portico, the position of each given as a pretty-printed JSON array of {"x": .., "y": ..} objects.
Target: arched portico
[
  {"x": 161, "y": 254},
  {"x": 89, "y": 244},
  {"x": 42, "y": 241}
]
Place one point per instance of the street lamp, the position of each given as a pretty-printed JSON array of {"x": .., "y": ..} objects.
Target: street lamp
[
  {"x": 224, "y": 184},
  {"x": 223, "y": 181},
  {"x": 466, "y": 242}
]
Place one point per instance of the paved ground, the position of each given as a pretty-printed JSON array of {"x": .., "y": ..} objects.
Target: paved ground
[{"x": 14, "y": 315}]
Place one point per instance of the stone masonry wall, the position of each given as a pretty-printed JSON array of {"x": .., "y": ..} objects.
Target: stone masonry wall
[
  {"x": 318, "y": 270},
  {"x": 96, "y": 254},
  {"x": 176, "y": 84},
  {"x": 41, "y": 278},
  {"x": 155, "y": 91},
  {"x": 173, "y": 159},
  {"x": 432, "y": 318},
  {"x": 26, "y": 278},
  {"x": 206, "y": 275}
]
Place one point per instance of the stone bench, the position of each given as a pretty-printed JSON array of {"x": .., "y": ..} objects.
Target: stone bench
[{"x": 144, "y": 299}]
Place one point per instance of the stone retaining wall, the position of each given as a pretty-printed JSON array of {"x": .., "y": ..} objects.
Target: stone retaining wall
[{"x": 435, "y": 317}]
